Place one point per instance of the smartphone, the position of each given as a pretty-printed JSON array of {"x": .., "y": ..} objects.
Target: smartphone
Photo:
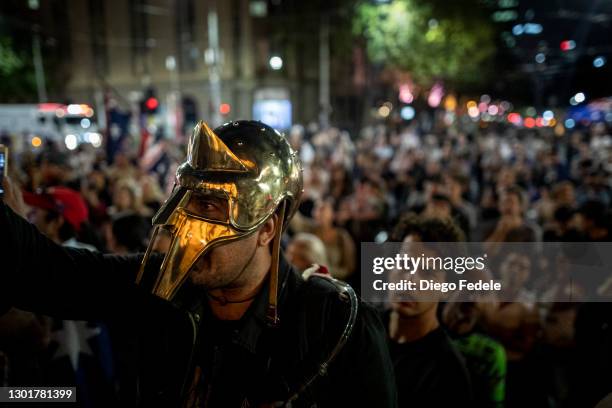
[{"x": 3, "y": 167}]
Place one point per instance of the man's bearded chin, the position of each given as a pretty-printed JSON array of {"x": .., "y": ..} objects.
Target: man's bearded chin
[{"x": 202, "y": 275}]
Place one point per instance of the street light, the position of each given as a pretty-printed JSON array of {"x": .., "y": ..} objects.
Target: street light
[
  {"x": 276, "y": 62},
  {"x": 599, "y": 62}
]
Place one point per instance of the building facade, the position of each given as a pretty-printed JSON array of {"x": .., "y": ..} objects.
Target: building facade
[{"x": 126, "y": 47}]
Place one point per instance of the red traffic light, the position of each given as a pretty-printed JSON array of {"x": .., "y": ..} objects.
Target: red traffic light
[
  {"x": 567, "y": 45},
  {"x": 152, "y": 103},
  {"x": 225, "y": 108}
]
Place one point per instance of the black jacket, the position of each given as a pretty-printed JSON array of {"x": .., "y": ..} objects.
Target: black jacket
[{"x": 242, "y": 363}]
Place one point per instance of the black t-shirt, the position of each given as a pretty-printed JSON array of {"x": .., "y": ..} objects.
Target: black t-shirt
[{"x": 430, "y": 373}]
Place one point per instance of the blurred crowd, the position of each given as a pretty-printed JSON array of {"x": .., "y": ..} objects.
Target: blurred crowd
[
  {"x": 493, "y": 185},
  {"x": 490, "y": 185}
]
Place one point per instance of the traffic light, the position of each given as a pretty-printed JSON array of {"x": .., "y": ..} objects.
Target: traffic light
[
  {"x": 225, "y": 109},
  {"x": 149, "y": 103},
  {"x": 567, "y": 45}
]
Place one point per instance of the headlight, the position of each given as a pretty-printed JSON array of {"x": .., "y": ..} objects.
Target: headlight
[
  {"x": 94, "y": 138},
  {"x": 71, "y": 142}
]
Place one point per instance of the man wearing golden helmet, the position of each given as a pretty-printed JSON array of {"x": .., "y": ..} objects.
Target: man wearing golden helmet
[{"x": 218, "y": 317}]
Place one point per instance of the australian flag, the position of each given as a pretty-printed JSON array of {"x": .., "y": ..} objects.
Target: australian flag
[{"x": 80, "y": 355}]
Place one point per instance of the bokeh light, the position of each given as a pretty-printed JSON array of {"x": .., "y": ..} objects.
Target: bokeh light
[
  {"x": 276, "y": 62},
  {"x": 599, "y": 62},
  {"x": 71, "y": 141}
]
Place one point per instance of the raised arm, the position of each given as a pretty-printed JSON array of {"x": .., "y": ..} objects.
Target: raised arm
[{"x": 40, "y": 276}]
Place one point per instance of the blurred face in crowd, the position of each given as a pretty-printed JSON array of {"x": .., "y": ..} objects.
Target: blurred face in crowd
[
  {"x": 421, "y": 301},
  {"x": 305, "y": 250},
  {"x": 121, "y": 160},
  {"x": 515, "y": 270},
  {"x": 96, "y": 181},
  {"x": 365, "y": 191},
  {"x": 580, "y": 222},
  {"x": 434, "y": 187},
  {"x": 323, "y": 213},
  {"x": 564, "y": 194},
  {"x": 455, "y": 189},
  {"x": 338, "y": 174},
  {"x": 123, "y": 199},
  {"x": 51, "y": 173},
  {"x": 510, "y": 204},
  {"x": 295, "y": 139},
  {"x": 438, "y": 207},
  {"x": 432, "y": 167},
  {"x": 298, "y": 254},
  {"x": 506, "y": 178},
  {"x": 488, "y": 199},
  {"x": 598, "y": 129}
]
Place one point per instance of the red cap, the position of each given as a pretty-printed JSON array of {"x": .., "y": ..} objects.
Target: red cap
[{"x": 63, "y": 200}]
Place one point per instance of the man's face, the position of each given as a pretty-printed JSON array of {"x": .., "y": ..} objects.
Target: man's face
[
  {"x": 510, "y": 204},
  {"x": 566, "y": 194},
  {"x": 419, "y": 301},
  {"x": 225, "y": 265}
]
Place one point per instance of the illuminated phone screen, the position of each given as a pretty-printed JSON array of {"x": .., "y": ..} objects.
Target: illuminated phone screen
[{"x": 2, "y": 168}]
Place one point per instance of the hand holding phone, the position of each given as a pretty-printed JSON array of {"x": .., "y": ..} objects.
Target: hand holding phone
[
  {"x": 3, "y": 168},
  {"x": 10, "y": 193}
]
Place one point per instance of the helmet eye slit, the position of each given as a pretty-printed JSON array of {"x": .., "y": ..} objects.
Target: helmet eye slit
[{"x": 208, "y": 207}]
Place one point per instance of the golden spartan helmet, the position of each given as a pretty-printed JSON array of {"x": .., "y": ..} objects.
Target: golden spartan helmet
[{"x": 249, "y": 166}]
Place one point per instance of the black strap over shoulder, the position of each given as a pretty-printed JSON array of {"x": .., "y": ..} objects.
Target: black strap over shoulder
[{"x": 346, "y": 294}]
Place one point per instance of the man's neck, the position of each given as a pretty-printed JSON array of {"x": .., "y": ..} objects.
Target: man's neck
[
  {"x": 404, "y": 329},
  {"x": 232, "y": 303}
]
